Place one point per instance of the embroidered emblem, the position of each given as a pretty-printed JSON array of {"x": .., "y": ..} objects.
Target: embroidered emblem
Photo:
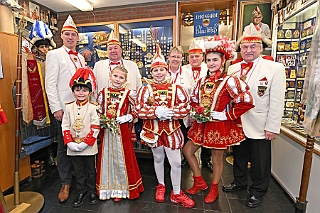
[{"x": 261, "y": 90}]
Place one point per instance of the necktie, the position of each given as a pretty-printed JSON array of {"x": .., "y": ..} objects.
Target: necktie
[
  {"x": 246, "y": 66},
  {"x": 114, "y": 63},
  {"x": 73, "y": 52},
  {"x": 196, "y": 69}
]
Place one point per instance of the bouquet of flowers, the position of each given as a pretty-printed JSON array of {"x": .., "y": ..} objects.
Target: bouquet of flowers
[
  {"x": 201, "y": 114},
  {"x": 108, "y": 121}
]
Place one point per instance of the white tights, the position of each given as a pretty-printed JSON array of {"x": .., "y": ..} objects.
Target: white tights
[{"x": 174, "y": 158}]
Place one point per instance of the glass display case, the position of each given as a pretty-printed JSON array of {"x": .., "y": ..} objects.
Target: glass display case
[
  {"x": 293, "y": 41},
  {"x": 92, "y": 44},
  {"x": 135, "y": 37},
  {"x": 138, "y": 45}
]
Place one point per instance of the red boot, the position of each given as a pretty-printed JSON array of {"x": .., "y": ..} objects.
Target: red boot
[
  {"x": 213, "y": 193},
  {"x": 198, "y": 184},
  {"x": 160, "y": 191},
  {"x": 182, "y": 198}
]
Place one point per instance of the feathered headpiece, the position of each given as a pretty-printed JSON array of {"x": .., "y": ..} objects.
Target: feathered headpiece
[
  {"x": 221, "y": 44},
  {"x": 69, "y": 25},
  {"x": 252, "y": 35},
  {"x": 158, "y": 59},
  {"x": 40, "y": 34},
  {"x": 84, "y": 76}
]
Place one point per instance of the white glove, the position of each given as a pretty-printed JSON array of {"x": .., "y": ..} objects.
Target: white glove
[
  {"x": 124, "y": 118},
  {"x": 73, "y": 146},
  {"x": 81, "y": 146},
  {"x": 218, "y": 115},
  {"x": 164, "y": 113}
]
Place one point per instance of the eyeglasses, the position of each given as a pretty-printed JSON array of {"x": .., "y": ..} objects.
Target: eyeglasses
[{"x": 176, "y": 56}]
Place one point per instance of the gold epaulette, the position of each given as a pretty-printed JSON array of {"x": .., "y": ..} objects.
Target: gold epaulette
[
  {"x": 94, "y": 103},
  {"x": 70, "y": 102}
]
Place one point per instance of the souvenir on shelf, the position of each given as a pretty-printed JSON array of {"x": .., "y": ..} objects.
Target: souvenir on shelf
[
  {"x": 137, "y": 44},
  {"x": 292, "y": 49}
]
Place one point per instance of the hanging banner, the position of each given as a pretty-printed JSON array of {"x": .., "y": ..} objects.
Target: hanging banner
[{"x": 206, "y": 23}]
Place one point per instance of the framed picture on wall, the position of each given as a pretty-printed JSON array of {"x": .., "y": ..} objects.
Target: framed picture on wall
[{"x": 257, "y": 13}]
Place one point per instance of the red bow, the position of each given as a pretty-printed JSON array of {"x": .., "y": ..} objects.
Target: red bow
[
  {"x": 246, "y": 66},
  {"x": 73, "y": 52},
  {"x": 196, "y": 69},
  {"x": 114, "y": 63}
]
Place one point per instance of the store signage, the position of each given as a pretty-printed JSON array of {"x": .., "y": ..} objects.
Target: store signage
[
  {"x": 206, "y": 23},
  {"x": 294, "y": 7}
]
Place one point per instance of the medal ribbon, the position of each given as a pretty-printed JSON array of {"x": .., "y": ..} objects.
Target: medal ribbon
[
  {"x": 75, "y": 54},
  {"x": 196, "y": 72},
  {"x": 175, "y": 75}
]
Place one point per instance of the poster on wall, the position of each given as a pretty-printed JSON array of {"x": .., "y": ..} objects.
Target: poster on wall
[
  {"x": 34, "y": 11},
  {"x": 25, "y": 5},
  {"x": 44, "y": 15},
  {"x": 206, "y": 23},
  {"x": 257, "y": 13},
  {"x": 53, "y": 22}
]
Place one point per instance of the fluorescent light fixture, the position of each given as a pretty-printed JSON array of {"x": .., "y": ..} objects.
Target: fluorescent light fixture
[{"x": 83, "y": 5}]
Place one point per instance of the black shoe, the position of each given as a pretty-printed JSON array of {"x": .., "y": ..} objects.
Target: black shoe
[
  {"x": 207, "y": 165},
  {"x": 232, "y": 187},
  {"x": 93, "y": 198},
  {"x": 79, "y": 199},
  {"x": 253, "y": 201},
  {"x": 184, "y": 162},
  {"x": 50, "y": 161}
]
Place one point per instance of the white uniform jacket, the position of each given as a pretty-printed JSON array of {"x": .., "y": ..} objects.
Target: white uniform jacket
[
  {"x": 102, "y": 70},
  {"x": 267, "y": 85},
  {"x": 88, "y": 113},
  {"x": 203, "y": 72},
  {"x": 59, "y": 71}
]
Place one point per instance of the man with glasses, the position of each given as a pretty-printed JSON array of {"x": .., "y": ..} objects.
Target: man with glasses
[
  {"x": 261, "y": 124},
  {"x": 199, "y": 70},
  {"x": 257, "y": 22},
  {"x": 182, "y": 76}
]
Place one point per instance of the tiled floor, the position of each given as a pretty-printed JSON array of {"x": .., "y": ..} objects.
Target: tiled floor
[{"x": 275, "y": 201}]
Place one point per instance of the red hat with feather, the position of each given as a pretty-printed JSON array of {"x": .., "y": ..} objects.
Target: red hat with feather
[{"x": 84, "y": 76}]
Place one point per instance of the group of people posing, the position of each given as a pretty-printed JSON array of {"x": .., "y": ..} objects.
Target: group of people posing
[{"x": 182, "y": 108}]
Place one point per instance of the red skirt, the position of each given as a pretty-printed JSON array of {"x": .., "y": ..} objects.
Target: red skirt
[{"x": 217, "y": 135}]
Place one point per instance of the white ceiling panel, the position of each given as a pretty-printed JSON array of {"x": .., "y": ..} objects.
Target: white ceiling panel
[{"x": 63, "y": 6}]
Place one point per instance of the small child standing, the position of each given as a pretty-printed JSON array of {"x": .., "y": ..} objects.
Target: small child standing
[
  {"x": 118, "y": 174},
  {"x": 161, "y": 104},
  {"x": 80, "y": 126}
]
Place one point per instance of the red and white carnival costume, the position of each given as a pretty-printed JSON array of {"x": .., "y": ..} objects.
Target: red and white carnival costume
[
  {"x": 217, "y": 94},
  {"x": 156, "y": 132},
  {"x": 118, "y": 174}
]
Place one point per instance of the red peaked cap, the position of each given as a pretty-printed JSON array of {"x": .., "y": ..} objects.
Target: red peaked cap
[{"x": 82, "y": 77}]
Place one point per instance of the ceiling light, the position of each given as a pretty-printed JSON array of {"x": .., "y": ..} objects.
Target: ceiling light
[{"x": 83, "y": 5}]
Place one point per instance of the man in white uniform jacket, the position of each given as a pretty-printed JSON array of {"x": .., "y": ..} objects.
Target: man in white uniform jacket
[
  {"x": 61, "y": 65},
  {"x": 261, "y": 124},
  {"x": 103, "y": 68}
]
